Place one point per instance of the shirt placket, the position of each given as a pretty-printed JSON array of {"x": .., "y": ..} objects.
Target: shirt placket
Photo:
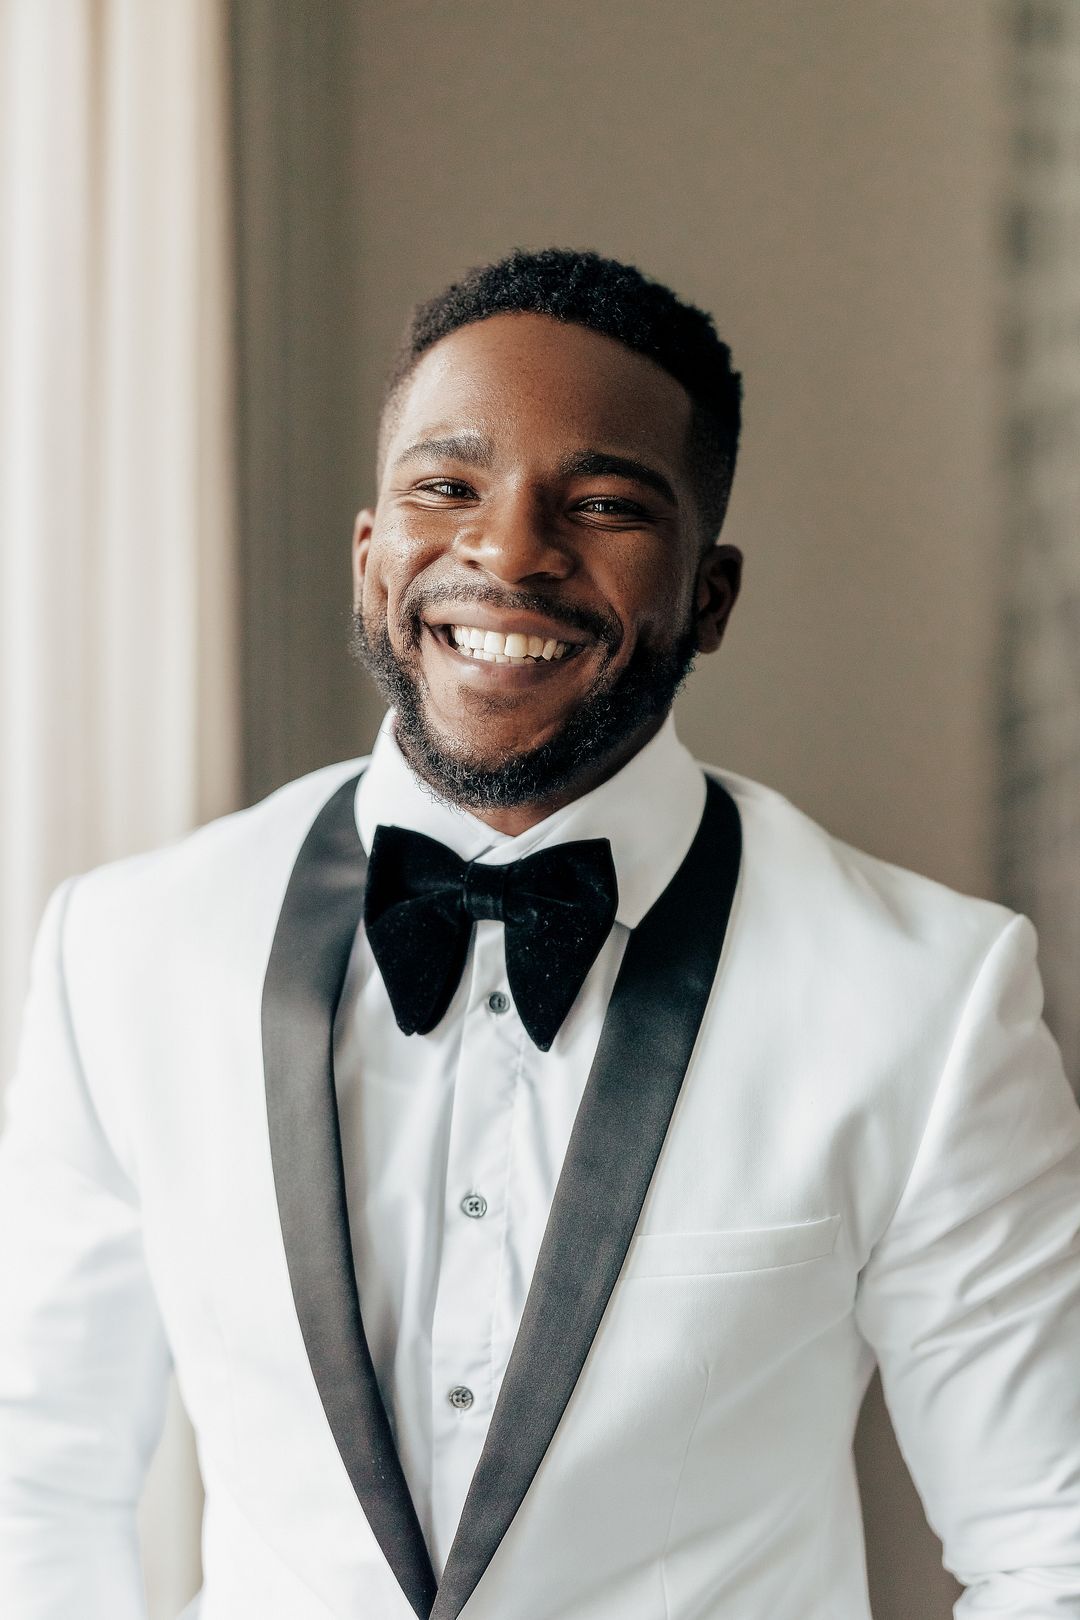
[{"x": 475, "y": 1218}]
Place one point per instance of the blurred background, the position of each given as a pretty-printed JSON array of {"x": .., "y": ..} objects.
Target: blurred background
[{"x": 214, "y": 215}]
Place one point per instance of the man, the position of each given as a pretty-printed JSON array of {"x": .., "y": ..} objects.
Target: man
[{"x": 525, "y": 1142}]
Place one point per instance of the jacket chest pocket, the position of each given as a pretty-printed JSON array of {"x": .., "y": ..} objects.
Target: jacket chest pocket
[
  {"x": 739, "y": 1302},
  {"x": 703, "y": 1254}
]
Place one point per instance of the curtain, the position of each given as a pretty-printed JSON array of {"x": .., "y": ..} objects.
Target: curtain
[{"x": 118, "y": 638}]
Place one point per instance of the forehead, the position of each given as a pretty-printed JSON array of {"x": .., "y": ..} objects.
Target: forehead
[{"x": 532, "y": 383}]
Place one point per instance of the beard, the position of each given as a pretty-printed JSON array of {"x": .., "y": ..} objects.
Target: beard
[{"x": 597, "y": 729}]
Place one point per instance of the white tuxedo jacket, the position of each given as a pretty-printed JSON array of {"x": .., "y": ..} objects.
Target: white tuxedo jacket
[{"x": 851, "y": 1140}]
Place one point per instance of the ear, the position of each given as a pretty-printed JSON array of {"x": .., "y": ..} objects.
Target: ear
[
  {"x": 718, "y": 580},
  {"x": 361, "y": 544}
]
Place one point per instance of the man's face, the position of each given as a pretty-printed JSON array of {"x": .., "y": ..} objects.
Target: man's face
[{"x": 535, "y": 496}]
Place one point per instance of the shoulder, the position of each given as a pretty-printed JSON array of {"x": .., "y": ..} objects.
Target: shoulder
[
  {"x": 815, "y": 893},
  {"x": 231, "y": 870},
  {"x": 856, "y": 976}
]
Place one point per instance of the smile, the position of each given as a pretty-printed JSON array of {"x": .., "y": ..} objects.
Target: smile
[{"x": 493, "y": 647}]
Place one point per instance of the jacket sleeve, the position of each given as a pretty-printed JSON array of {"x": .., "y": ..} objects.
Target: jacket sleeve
[
  {"x": 83, "y": 1359},
  {"x": 971, "y": 1301}
]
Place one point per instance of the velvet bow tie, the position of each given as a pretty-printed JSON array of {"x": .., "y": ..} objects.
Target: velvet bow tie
[{"x": 420, "y": 903}]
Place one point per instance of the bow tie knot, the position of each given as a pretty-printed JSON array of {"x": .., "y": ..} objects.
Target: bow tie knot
[
  {"x": 483, "y": 892},
  {"x": 421, "y": 901}
]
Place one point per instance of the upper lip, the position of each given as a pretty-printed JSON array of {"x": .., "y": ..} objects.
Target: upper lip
[{"x": 478, "y": 617}]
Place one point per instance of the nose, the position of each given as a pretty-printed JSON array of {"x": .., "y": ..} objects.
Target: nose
[{"x": 516, "y": 540}]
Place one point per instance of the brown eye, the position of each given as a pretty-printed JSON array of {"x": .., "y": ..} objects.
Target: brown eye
[
  {"x": 611, "y": 506},
  {"x": 451, "y": 487}
]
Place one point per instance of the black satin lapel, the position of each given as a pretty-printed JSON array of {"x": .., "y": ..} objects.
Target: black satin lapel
[
  {"x": 648, "y": 1036},
  {"x": 306, "y": 971}
]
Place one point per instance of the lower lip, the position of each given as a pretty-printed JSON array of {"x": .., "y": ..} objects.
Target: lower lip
[{"x": 483, "y": 672}]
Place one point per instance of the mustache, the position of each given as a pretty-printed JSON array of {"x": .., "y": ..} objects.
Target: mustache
[{"x": 422, "y": 598}]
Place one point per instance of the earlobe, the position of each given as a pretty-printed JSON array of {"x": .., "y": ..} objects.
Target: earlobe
[
  {"x": 718, "y": 581},
  {"x": 361, "y": 545}
]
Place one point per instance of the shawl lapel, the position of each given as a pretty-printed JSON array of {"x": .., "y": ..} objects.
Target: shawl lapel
[{"x": 308, "y": 959}]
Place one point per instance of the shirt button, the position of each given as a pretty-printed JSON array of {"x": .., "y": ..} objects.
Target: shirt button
[
  {"x": 460, "y": 1397},
  {"x": 498, "y": 1002},
  {"x": 474, "y": 1205}
]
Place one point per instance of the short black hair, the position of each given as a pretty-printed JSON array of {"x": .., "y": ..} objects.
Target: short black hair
[{"x": 619, "y": 302}]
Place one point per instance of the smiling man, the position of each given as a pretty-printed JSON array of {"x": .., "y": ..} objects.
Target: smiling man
[{"x": 525, "y": 1142}]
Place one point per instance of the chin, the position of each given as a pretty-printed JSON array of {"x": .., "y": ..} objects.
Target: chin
[
  {"x": 488, "y": 741},
  {"x": 471, "y": 749}
]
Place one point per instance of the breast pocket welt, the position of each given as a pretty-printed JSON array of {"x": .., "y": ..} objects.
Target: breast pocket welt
[{"x": 706, "y": 1254}]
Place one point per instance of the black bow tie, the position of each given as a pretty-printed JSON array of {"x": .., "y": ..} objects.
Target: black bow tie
[{"x": 420, "y": 903}]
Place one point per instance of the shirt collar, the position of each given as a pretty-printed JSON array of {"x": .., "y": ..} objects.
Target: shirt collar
[{"x": 649, "y": 811}]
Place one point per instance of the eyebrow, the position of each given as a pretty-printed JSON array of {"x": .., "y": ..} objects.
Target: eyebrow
[
  {"x": 471, "y": 448},
  {"x": 601, "y": 464}
]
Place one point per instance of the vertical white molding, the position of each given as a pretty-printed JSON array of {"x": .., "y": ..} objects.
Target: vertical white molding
[{"x": 1039, "y": 674}]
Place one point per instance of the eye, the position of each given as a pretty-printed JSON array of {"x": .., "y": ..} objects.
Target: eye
[
  {"x": 452, "y": 488},
  {"x": 611, "y": 506}
]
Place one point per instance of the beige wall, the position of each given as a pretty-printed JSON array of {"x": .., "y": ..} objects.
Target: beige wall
[{"x": 823, "y": 178}]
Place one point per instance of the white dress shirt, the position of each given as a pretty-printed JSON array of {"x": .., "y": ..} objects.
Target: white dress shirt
[{"x": 453, "y": 1141}]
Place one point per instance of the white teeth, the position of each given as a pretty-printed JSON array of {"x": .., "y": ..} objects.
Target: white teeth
[{"x": 492, "y": 647}]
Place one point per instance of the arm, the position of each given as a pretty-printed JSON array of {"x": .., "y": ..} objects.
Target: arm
[
  {"x": 971, "y": 1301},
  {"x": 83, "y": 1360}
]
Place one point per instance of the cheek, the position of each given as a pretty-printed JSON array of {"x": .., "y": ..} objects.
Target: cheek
[
  {"x": 649, "y": 594},
  {"x": 398, "y": 556},
  {"x": 387, "y": 571}
]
